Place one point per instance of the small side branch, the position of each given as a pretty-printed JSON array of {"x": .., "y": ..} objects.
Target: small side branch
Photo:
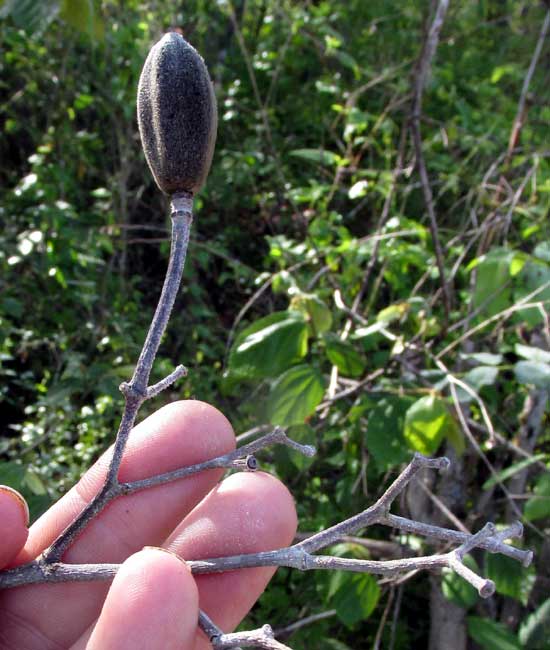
[
  {"x": 260, "y": 638},
  {"x": 135, "y": 391},
  {"x": 155, "y": 389},
  {"x": 228, "y": 461},
  {"x": 376, "y": 512},
  {"x": 493, "y": 544}
]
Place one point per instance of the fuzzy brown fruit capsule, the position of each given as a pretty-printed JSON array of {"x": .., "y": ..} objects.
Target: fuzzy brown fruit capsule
[{"x": 177, "y": 115}]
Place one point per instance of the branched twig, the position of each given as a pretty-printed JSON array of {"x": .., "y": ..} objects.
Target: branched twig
[{"x": 300, "y": 555}]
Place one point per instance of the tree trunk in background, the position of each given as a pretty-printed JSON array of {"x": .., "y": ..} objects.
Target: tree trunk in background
[
  {"x": 531, "y": 420},
  {"x": 447, "y": 620}
]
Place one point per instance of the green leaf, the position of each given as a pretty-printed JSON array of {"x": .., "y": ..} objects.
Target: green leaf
[
  {"x": 12, "y": 474},
  {"x": 334, "y": 644},
  {"x": 538, "y": 506},
  {"x": 492, "y": 292},
  {"x": 393, "y": 312},
  {"x": 510, "y": 577},
  {"x": 83, "y": 15},
  {"x": 346, "y": 60},
  {"x": 532, "y": 354},
  {"x": 542, "y": 251},
  {"x": 295, "y": 395},
  {"x": 33, "y": 16},
  {"x": 517, "y": 263},
  {"x": 500, "y": 70},
  {"x": 533, "y": 372},
  {"x": 315, "y": 311},
  {"x": 491, "y": 635},
  {"x": 356, "y": 598},
  {"x": 484, "y": 358},
  {"x": 269, "y": 346},
  {"x": 344, "y": 356},
  {"x": 427, "y": 422},
  {"x": 316, "y": 155},
  {"x": 513, "y": 469},
  {"x": 477, "y": 378},
  {"x": 456, "y": 589},
  {"x": 35, "y": 484},
  {"x": 12, "y": 307},
  {"x": 534, "y": 275},
  {"x": 384, "y": 437},
  {"x": 534, "y": 632}
]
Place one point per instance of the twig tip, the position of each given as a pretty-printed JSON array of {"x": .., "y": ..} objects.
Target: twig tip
[
  {"x": 527, "y": 558},
  {"x": 309, "y": 450},
  {"x": 487, "y": 589}
]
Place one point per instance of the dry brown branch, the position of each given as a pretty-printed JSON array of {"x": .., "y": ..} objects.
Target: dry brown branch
[{"x": 422, "y": 73}]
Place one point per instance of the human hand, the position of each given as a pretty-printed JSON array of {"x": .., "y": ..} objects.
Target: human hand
[{"x": 153, "y": 601}]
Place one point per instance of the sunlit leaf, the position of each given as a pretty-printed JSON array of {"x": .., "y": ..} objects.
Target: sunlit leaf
[
  {"x": 316, "y": 312},
  {"x": 269, "y": 346},
  {"x": 427, "y": 423},
  {"x": 532, "y": 354},
  {"x": 476, "y": 378},
  {"x": 358, "y": 190},
  {"x": 295, "y": 395},
  {"x": 484, "y": 358},
  {"x": 533, "y": 372},
  {"x": 315, "y": 155}
]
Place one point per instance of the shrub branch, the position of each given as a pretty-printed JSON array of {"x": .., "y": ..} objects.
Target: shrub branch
[{"x": 49, "y": 567}]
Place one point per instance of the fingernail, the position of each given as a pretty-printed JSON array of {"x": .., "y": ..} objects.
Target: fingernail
[
  {"x": 20, "y": 501},
  {"x": 166, "y": 550}
]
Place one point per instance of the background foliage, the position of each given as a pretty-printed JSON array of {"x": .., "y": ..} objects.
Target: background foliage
[{"x": 312, "y": 297}]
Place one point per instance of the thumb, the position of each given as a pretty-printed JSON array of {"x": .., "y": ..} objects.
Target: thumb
[{"x": 14, "y": 521}]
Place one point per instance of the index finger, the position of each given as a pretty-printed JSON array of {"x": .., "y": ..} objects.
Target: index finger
[{"x": 178, "y": 435}]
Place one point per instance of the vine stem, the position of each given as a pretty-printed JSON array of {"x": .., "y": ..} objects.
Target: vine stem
[{"x": 135, "y": 391}]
